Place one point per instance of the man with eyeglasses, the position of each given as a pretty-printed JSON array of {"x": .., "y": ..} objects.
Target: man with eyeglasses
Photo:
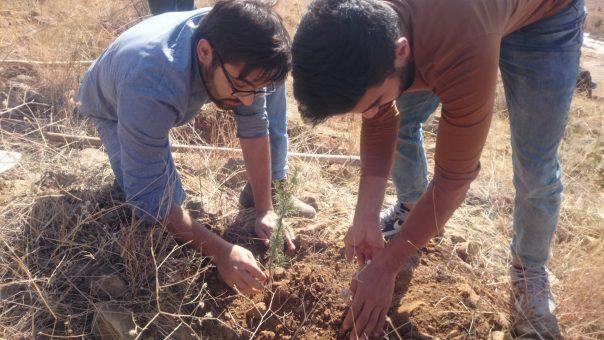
[
  {"x": 156, "y": 76},
  {"x": 276, "y": 108}
]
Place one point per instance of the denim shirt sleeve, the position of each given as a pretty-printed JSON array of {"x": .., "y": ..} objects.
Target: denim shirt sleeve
[
  {"x": 150, "y": 181},
  {"x": 252, "y": 121}
]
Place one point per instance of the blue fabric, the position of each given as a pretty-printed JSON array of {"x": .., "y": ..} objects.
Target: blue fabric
[
  {"x": 277, "y": 127},
  {"x": 163, "y": 6},
  {"x": 539, "y": 65},
  {"x": 145, "y": 83}
]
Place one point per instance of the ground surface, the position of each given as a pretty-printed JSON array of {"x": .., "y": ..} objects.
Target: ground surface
[{"x": 74, "y": 263}]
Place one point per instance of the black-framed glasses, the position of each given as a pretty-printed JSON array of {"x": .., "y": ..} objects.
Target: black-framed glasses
[{"x": 237, "y": 93}]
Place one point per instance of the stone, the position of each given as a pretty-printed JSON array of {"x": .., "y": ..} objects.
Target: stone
[
  {"x": 408, "y": 308},
  {"x": 498, "y": 335},
  {"x": 256, "y": 312},
  {"x": 266, "y": 335},
  {"x": 468, "y": 251},
  {"x": 279, "y": 273},
  {"x": 112, "y": 321},
  {"x": 469, "y": 295},
  {"x": 457, "y": 239},
  {"x": 108, "y": 286}
]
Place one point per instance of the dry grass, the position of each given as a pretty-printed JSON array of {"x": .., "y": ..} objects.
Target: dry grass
[{"x": 63, "y": 226}]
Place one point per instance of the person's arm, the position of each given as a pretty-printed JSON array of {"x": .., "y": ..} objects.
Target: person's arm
[
  {"x": 152, "y": 186},
  {"x": 252, "y": 130},
  {"x": 236, "y": 265},
  {"x": 467, "y": 93},
  {"x": 378, "y": 138}
]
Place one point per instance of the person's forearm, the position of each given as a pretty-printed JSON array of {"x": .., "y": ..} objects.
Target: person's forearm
[
  {"x": 370, "y": 198},
  {"x": 256, "y": 153},
  {"x": 425, "y": 220},
  {"x": 185, "y": 229}
]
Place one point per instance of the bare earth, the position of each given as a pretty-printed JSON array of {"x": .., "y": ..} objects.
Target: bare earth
[{"x": 74, "y": 263}]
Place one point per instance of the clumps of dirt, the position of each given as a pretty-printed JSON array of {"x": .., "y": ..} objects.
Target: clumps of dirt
[
  {"x": 95, "y": 259},
  {"x": 304, "y": 299},
  {"x": 443, "y": 297}
]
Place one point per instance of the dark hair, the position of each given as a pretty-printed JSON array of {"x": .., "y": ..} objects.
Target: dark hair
[
  {"x": 249, "y": 32},
  {"x": 341, "y": 48}
]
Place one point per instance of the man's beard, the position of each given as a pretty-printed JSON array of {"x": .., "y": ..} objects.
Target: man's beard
[
  {"x": 223, "y": 103},
  {"x": 406, "y": 75}
]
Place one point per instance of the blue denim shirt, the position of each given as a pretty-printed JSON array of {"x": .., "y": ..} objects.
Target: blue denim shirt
[{"x": 148, "y": 81}]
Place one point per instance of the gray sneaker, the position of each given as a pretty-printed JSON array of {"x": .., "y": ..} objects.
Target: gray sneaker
[
  {"x": 392, "y": 218},
  {"x": 534, "y": 304}
]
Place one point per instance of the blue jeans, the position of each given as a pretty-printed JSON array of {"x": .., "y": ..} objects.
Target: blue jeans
[
  {"x": 276, "y": 108},
  {"x": 539, "y": 66},
  {"x": 163, "y": 6}
]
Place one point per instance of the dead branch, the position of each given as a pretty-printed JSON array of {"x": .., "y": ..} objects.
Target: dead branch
[{"x": 96, "y": 142}]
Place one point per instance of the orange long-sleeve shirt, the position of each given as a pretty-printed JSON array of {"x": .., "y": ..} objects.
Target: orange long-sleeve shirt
[{"x": 455, "y": 46}]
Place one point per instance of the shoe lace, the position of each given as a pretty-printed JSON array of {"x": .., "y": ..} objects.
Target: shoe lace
[{"x": 394, "y": 211}]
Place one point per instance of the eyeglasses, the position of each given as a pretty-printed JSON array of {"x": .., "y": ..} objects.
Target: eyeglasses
[{"x": 237, "y": 93}]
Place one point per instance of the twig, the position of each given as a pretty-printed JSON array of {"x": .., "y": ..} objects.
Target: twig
[
  {"x": 15, "y": 108},
  {"x": 30, "y": 278},
  {"x": 95, "y": 141}
]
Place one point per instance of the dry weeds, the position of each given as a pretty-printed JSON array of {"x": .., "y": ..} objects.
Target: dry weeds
[{"x": 65, "y": 233}]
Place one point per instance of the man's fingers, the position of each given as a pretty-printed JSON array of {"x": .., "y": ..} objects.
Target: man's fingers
[
  {"x": 360, "y": 322},
  {"x": 348, "y": 320},
  {"x": 354, "y": 283},
  {"x": 289, "y": 237},
  {"x": 251, "y": 281},
  {"x": 360, "y": 258},
  {"x": 242, "y": 287},
  {"x": 372, "y": 322},
  {"x": 263, "y": 235},
  {"x": 353, "y": 312},
  {"x": 254, "y": 271},
  {"x": 379, "y": 326},
  {"x": 349, "y": 250}
]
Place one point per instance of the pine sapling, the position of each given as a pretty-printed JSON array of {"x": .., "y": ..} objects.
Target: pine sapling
[{"x": 284, "y": 191}]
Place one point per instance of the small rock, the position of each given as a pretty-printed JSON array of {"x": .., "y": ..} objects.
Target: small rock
[
  {"x": 279, "y": 273},
  {"x": 112, "y": 321},
  {"x": 453, "y": 333},
  {"x": 257, "y": 311},
  {"x": 498, "y": 335},
  {"x": 469, "y": 295},
  {"x": 502, "y": 320},
  {"x": 281, "y": 294},
  {"x": 266, "y": 335},
  {"x": 408, "y": 308},
  {"x": 468, "y": 251},
  {"x": 108, "y": 286},
  {"x": 457, "y": 239},
  {"x": 310, "y": 201}
]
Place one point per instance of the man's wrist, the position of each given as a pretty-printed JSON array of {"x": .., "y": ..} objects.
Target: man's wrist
[
  {"x": 218, "y": 250},
  {"x": 394, "y": 257}
]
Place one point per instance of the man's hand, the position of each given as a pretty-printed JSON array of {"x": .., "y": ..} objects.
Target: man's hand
[
  {"x": 238, "y": 269},
  {"x": 372, "y": 291},
  {"x": 266, "y": 224},
  {"x": 363, "y": 240}
]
